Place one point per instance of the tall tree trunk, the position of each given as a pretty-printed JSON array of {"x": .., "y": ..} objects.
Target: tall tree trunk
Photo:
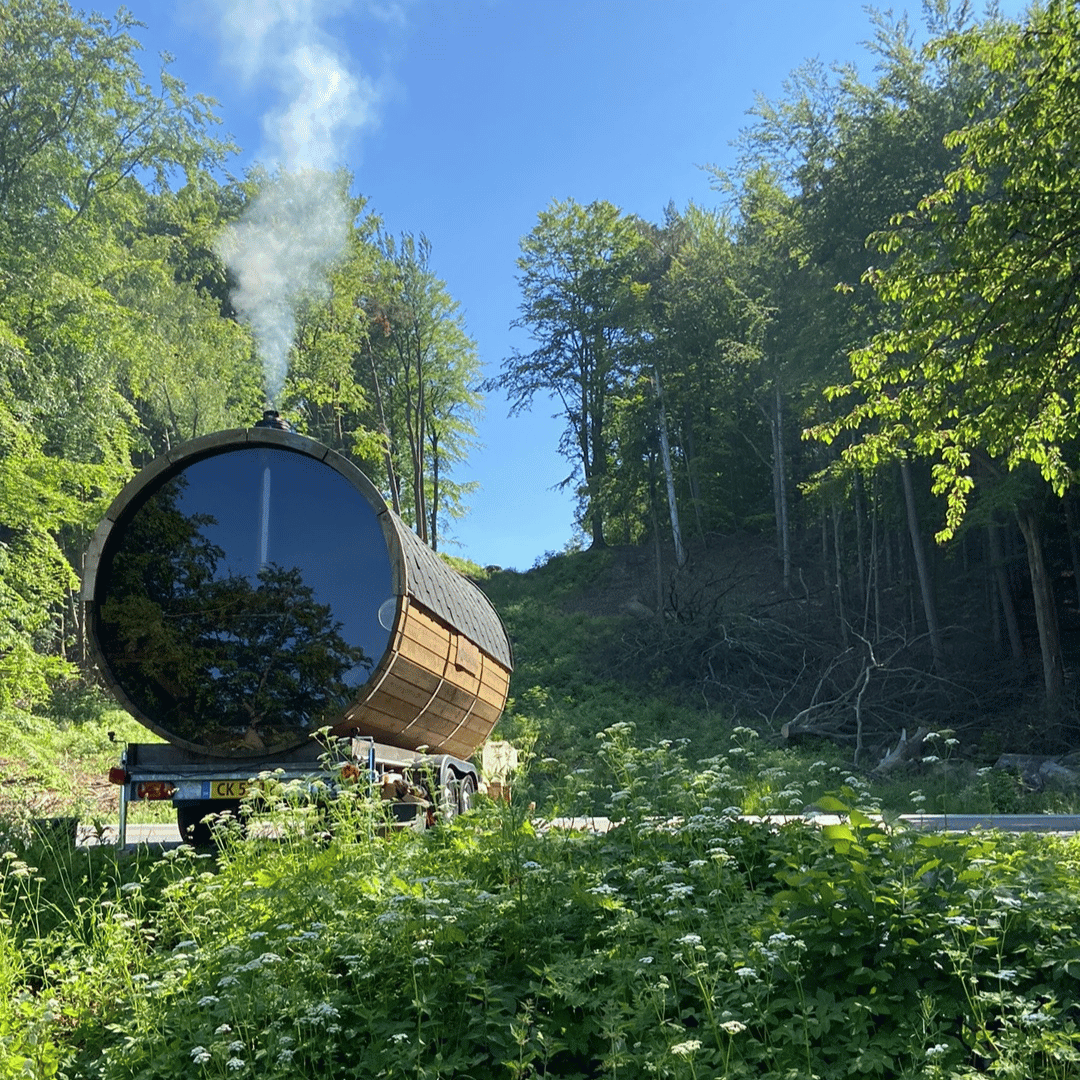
[
  {"x": 922, "y": 568},
  {"x": 391, "y": 478},
  {"x": 775, "y": 415},
  {"x": 1074, "y": 546},
  {"x": 692, "y": 476},
  {"x": 1004, "y": 593},
  {"x": 669, "y": 477},
  {"x": 838, "y": 554},
  {"x": 1045, "y": 613},
  {"x": 779, "y": 466},
  {"x": 433, "y": 531},
  {"x": 860, "y": 542},
  {"x": 657, "y": 550},
  {"x": 872, "y": 592}
]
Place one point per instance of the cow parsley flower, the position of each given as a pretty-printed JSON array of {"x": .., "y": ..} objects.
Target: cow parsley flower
[{"x": 685, "y": 1049}]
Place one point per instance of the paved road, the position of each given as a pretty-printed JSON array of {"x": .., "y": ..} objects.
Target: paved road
[{"x": 167, "y": 836}]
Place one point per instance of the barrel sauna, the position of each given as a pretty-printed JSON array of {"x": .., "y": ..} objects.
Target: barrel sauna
[{"x": 251, "y": 588}]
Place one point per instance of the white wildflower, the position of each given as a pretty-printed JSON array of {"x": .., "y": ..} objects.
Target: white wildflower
[
  {"x": 689, "y": 939},
  {"x": 685, "y": 1049},
  {"x": 234, "y": 1063},
  {"x": 936, "y": 1050},
  {"x": 208, "y": 999},
  {"x": 733, "y": 1027},
  {"x": 200, "y": 1055}
]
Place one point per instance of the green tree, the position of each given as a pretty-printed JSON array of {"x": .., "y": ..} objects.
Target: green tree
[
  {"x": 424, "y": 376},
  {"x": 39, "y": 497},
  {"x": 582, "y": 302},
  {"x": 96, "y": 319},
  {"x": 330, "y": 368},
  {"x": 978, "y": 367}
]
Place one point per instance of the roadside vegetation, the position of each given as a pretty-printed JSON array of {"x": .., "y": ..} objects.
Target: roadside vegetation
[{"x": 686, "y": 942}]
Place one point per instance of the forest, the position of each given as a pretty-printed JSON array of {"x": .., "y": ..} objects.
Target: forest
[
  {"x": 822, "y": 438},
  {"x": 860, "y": 357}
]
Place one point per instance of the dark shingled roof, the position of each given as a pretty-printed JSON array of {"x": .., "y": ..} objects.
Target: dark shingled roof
[{"x": 447, "y": 594}]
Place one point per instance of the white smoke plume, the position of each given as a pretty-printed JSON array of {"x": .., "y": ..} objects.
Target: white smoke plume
[{"x": 289, "y": 237}]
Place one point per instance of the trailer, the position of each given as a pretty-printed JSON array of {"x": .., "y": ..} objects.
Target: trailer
[
  {"x": 418, "y": 789},
  {"x": 250, "y": 598}
]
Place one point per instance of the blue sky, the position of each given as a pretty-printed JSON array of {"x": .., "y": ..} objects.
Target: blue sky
[{"x": 473, "y": 115}]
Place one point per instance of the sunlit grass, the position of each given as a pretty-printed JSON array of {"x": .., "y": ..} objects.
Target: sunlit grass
[{"x": 685, "y": 942}]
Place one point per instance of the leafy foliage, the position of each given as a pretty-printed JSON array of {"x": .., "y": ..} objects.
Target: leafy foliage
[
  {"x": 983, "y": 277},
  {"x": 684, "y": 941}
]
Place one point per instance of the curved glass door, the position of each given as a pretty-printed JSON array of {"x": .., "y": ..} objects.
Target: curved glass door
[{"x": 238, "y": 606}]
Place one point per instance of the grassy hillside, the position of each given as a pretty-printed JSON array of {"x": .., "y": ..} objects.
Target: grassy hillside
[{"x": 725, "y": 669}]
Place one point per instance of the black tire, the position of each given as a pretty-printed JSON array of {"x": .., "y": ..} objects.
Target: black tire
[
  {"x": 193, "y": 829},
  {"x": 466, "y": 790}
]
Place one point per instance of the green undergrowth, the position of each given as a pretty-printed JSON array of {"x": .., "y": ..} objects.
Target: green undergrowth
[
  {"x": 571, "y": 681},
  {"x": 685, "y": 942},
  {"x": 52, "y": 764}
]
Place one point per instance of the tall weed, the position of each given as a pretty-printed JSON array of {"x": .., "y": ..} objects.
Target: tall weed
[{"x": 685, "y": 941}]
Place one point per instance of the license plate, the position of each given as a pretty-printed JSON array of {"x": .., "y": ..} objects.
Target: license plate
[{"x": 224, "y": 789}]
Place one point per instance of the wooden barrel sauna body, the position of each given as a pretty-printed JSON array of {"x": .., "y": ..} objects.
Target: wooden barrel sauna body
[{"x": 251, "y": 587}]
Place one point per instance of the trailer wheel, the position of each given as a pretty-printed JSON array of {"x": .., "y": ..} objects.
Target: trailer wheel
[
  {"x": 465, "y": 792},
  {"x": 196, "y": 831},
  {"x": 448, "y": 798}
]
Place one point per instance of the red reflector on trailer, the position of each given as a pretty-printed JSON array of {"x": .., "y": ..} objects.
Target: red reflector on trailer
[
  {"x": 117, "y": 775},
  {"x": 154, "y": 789}
]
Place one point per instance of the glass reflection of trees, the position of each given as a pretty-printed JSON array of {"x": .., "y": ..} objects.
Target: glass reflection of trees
[{"x": 214, "y": 658}]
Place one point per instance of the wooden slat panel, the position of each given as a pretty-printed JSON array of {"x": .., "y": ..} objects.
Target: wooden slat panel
[
  {"x": 421, "y": 697},
  {"x": 442, "y": 709},
  {"x": 487, "y": 712},
  {"x": 496, "y": 675},
  {"x": 491, "y": 696},
  {"x": 457, "y": 697},
  {"x": 401, "y": 689},
  {"x": 425, "y": 658},
  {"x": 433, "y": 638}
]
